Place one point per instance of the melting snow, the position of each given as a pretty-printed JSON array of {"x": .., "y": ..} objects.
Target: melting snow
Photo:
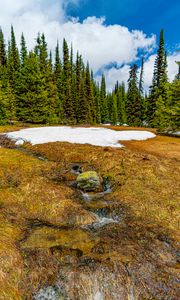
[{"x": 79, "y": 135}]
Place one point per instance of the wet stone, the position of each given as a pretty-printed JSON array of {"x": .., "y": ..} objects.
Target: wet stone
[
  {"x": 88, "y": 181},
  {"x": 50, "y": 293}
]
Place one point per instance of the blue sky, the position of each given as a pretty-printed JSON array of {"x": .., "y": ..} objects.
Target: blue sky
[
  {"x": 149, "y": 16},
  {"x": 111, "y": 44}
]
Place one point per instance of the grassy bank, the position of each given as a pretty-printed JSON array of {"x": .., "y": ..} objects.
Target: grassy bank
[{"x": 145, "y": 178}]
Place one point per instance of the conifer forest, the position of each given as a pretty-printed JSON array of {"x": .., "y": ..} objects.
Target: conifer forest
[{"x": 41, "y": 87}]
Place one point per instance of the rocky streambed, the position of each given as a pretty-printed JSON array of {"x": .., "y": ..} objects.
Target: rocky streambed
[
  {"x": 109, "y": 258},
  {"x": 100, "y": 251}
]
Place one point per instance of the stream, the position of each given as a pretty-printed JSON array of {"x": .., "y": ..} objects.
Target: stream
[{"x": 111, "y": 258}]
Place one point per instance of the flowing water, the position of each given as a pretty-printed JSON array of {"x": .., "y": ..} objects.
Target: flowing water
[{"x": 111, "y": 258}]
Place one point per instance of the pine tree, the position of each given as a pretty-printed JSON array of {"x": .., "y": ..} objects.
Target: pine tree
[
  {"x": 32, "y": 99},
  {"x": 159, "y": 79},
  {"x": 141, "y": 92},
  {"x": 133, "y": 104},
  {"x": 121, "y": 102},
  {"x": 58, "y": 74},
  {"x": 174, "y": 104},
  {"x": 89, "y": 96},
  {"x": 96, "y": 92},
  {"x": 83, "y": 111},
  {"x": 114, "y": 109},
  {"x": 67, "y": 101},
  {"x": 14, "y": 58},
  {"x": 104, "y": 106},
  {"x": 23, "y": 53},
  {"x": 3, "y": 107},
  {"x": 3, "y": 57}
]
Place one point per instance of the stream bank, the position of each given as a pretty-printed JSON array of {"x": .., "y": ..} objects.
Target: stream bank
[{"x": 128, "y": 258}]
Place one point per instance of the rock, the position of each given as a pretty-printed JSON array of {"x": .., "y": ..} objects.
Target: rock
[
  {"x": 50, "y": 293},
  {"x": 88, "y": 181}
]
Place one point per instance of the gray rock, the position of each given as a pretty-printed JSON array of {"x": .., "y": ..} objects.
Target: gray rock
[{"x": 50, "y": 293}]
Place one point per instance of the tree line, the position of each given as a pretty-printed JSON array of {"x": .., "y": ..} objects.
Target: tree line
[{"x": 38, "y": 87}]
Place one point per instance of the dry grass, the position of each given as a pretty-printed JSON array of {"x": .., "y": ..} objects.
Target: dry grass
[
  {"x": 147, "y": 183},
  {"x": 163, "y": 146},
  {"x": 145, "y": 178}
]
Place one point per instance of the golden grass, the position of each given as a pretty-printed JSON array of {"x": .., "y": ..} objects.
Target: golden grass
[
  {"x": 145, "y": 177},
  {"x": 146, "y": 183}
]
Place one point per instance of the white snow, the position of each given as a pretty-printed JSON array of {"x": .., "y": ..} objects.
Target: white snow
[{"x": 78, "y": 135}]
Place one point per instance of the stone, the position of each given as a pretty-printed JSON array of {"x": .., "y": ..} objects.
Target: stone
[{"x": 88, "y": 181}]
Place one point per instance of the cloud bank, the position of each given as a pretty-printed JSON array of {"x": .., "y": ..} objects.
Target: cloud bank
[{"x": 98, "y": 43}]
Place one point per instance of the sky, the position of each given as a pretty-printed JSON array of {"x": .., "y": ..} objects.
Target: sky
[{"x": 110, "y": 34}]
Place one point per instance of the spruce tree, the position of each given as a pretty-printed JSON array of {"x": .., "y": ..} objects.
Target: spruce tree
[
  {"x": 3, "y": 57},
  {"x": 23, "y": 52},
  {"x": 121, "y": 102},
  {"x": 89, "y": 96},
  {"x": 83, "y": 112},
  {"x": 174, "y": 104},
  {"x": 78, "y": 87},
  {"x": 3, "y": 107},
  {"x": 32, "y": 99},
  {"x": 159, "y": 79},
  {"x": 14, "y": 58},
  {"x": 104, "y": 106},
  {"x": 141, "y": 92},
  {"x": 114, "y": 109},
  {"x": 67, "y": 101},
  {"x": 133, "y": 103},
  {"x": 96, "y": 91},
  {"x": 58, "y": 74}
]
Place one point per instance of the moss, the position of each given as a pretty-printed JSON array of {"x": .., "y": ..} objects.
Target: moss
[
  {"x": 88, "y": 175},
  {"x": 88, "y": 181},
  {"x": 48, "y": 237},
  {"x": 146, "y": 190}
]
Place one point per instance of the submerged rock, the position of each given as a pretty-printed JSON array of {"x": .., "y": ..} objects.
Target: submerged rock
[
  {"x": 50, "y": 293},
  {"x": 88, "y": 181}
]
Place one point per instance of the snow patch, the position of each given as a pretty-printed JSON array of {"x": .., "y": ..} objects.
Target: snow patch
[{"x": 78, "y": 135}]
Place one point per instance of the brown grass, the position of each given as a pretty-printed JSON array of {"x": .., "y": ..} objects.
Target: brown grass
[{"x": 145, "y": 178}]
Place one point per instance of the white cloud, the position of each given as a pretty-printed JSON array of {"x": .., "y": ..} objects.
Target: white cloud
[
  {"x": 114, "y": 74},
  {"x": 149, "y": 67},
  {"x": 99, "y": 43},
  {"x": 122, "y": 74}
]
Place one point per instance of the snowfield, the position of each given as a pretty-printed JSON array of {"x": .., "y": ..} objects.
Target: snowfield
[{"x": 78, "y": 135}]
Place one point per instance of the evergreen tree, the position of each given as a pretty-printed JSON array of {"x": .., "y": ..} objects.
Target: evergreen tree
[
  {"x": 3, "y": 107},
  {"x": 141, "y": 90},
  {"x": 23, "y": 53},
  {"x": 159, "y": 79},
  {"x": 97, "y": 102},
  {"x": 121, "y": 102},
  {"x": 114, "y": 109},
  {"x": 3, "y": 57},
  {"x": 58, "y": 74},
  {"x": 34, "y": 89},
  {"x": 32, "y": 99},
  {"x": 13, "y": 57},
  {"x": 83, "y": 112},
  {"x": 133, "y": 104},
  {"x": 89, "y": 96},
  {"x": 174, "y": 105},
  {"x": 67, "y": 101},
  {"x": 78, "y": 70},
  {"x": 104, "y": 106}
]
